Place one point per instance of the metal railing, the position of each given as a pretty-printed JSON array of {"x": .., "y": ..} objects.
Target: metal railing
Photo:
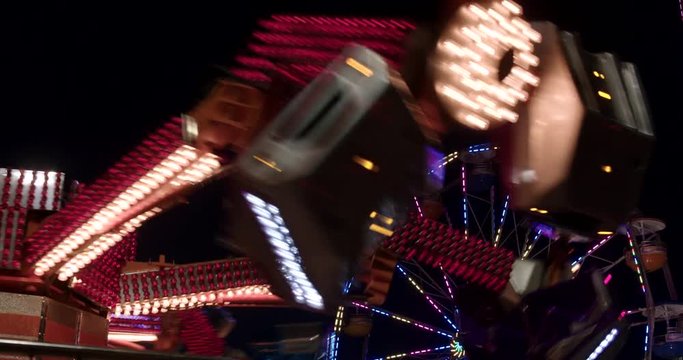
[{"x": 33, "y": 348}]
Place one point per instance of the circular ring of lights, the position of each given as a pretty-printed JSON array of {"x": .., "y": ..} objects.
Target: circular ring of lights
[{"x": 483, "y": 64}]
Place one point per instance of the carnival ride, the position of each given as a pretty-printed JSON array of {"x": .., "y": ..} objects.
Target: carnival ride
[{"x": 468, "y": 233}]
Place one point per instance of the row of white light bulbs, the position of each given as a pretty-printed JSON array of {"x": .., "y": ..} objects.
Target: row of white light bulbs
[
  {"x": 190, "y": 301},
  {"x": 287, "y": 253},
  {"x": 183, "y": 166}
]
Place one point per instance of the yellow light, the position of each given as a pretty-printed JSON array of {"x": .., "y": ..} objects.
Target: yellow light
[
  {"x": 373, "y": 214},
  {"x": 540, "y": 211},
  {"x": 381, "y": 230},
  {"x": 270, "y": 164},
  {"x": 359, "y": 67},
  {"x": 598, "y": 75},
  {"x": 534, "y": 209},
  {"x": 367, "y": 164},
  {"x": 606, "y": 168},
  {"x": 605, "y": 95},
  {"x": 603, "y": 232},
  {"x": 387, "y": 220}
]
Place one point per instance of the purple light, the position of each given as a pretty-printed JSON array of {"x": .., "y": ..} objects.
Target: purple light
[
  {"x": 417, "y": 204},
  {"x": 607, "y": 279},
  {"x": 448, "y": 283},
  {"x": 464, "y": 200}
]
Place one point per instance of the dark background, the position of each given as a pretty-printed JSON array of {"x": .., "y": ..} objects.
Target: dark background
[{"x": 82, "y": 84}]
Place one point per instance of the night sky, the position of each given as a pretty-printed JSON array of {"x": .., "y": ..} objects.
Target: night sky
[{"x": 82, "y": 84}]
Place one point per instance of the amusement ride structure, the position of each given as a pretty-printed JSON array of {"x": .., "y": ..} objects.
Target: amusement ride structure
[{"x": 503, "y": 216}]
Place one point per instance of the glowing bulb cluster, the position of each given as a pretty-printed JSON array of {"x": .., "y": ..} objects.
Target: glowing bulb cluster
[
  {"x": 467, "y": 61},
  {"x": 102, "y": 244},
  {"x": 193, "y": 300},
  {"x": 287, "y": 254},
  {"x": 182, "y": 167},
  {"x": 609, "y": 338}
]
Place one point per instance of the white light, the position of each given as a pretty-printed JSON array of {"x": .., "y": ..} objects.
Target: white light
[
  {"x": 285, "y": 250},
  {"x": 181, "y": 161},
  {"x": 38, "y": 271},
  {"x": 62, "y": 277}
]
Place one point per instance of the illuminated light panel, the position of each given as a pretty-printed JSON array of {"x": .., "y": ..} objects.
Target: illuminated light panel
[
  {"x": 468, "y": 57},
  {"x": 604, "y": 232},
  {"x": 499, "y": 231},
  {"x": 606, "y": 169},
  {"x": 191, "y": 168},
  {"x": 365, "y": 163},
  {"x": 427, "y": 297},
  {"x": 129, "y": 336},
  {"x": 402, "y": 319},
  {"x": 609, "y": 338},
  {"x": 287, "y": 253},
  {"x": 604, "y": 95},
  {"x": 193, "y": 300},
  {"x": 356, "y": 65},
  {"x": 416, "y": 352}
]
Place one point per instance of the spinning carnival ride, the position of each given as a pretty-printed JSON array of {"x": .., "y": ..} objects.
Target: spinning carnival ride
[{"x": 468, "y": 233}]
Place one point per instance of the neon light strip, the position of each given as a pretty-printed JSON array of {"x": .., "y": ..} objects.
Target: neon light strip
[
  {"x": 464, "y": 200},
  {"x": 576, "y": 265},
  {"x": 636, "y": 261},
  {"x": 448, "y": 283},
  {"x": 531, "y": 246},
  {"x": 632, "y": 245},
  {"x": 427, "y": 297},
  {"x": 609, "y": 338},
  {"x": 416, "y": 352},
  {"x": 417, "y": 204},
  {"x": 496, "y": 240},
  {"x": 445, "y": 161},
  {"x": 402, "y": 319}
]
